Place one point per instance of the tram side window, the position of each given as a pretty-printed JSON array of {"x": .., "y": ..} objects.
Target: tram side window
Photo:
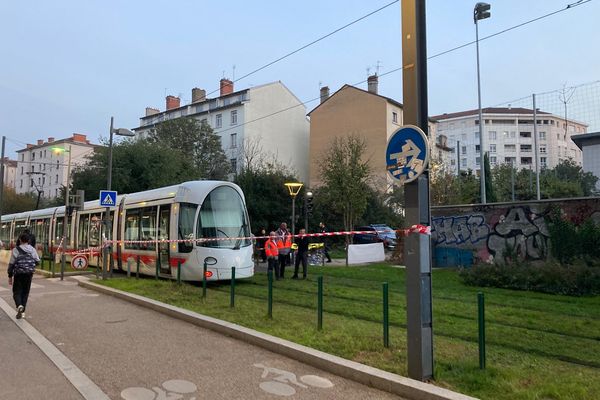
[
  {"x": 82, "y": 231},
  {"x": 148, "y": 227},
  {"x": 5, "y": 234},
  {"x": 58, "y": 231},
  {"x": 95, "y": 223},
  {"x": 20, "y": 226},
  {"x": 187, "y": 214},
  {"x": 132, "y": 228}
]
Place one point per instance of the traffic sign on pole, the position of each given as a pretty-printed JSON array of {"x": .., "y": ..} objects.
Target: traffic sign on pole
[
  {"x": 407, "y": 153},
  {"x": 108, "y": 198}
]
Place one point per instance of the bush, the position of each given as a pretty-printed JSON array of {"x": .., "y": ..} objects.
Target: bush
[{"x": 571, "y": 280}]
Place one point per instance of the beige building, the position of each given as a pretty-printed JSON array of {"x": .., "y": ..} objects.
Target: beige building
[
  {"x": 363, "y": 113},
  {"x": 10, "y": 173},
  {"x": 42, "y": 167}
]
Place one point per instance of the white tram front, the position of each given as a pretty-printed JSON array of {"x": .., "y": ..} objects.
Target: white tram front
[{"x": 159, "y": 229}]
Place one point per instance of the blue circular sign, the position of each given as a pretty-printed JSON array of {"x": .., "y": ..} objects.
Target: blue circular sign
[{"x": 407, "y": 154}]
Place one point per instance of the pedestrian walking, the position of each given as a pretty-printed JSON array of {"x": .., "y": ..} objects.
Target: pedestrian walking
[
  {"x": 302, "y": 255},
  {"x": 21, "y": 266},
  {"x": 31, "y": 236},
  {"x": 323, "y": 229},
  {"x": 272, "y": 253},
  {"x": 285, "y": 247}
]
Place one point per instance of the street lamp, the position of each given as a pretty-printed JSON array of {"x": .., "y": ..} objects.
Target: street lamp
[
  {"x": 107, "y": 227},
  {"x": 294, "y": 189},
  {"x": 63, "y": 259},
  {"x": 481, "y": 11}
]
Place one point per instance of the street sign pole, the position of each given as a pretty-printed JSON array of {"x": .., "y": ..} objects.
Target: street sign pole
[{"x": 417, "y": 248}]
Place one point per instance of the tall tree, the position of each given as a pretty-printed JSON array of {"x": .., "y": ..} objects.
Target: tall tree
[
  {"x": 14, "y": 203},
  {"x": 196, "y": 141},
  {"x": 345, "y": 174},
  {"x": 490, "y": 193}
]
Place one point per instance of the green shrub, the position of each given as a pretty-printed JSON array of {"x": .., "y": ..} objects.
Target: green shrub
[{"x": 571, "y": 280}]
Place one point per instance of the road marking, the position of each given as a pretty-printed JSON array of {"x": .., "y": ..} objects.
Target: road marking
[
  {"x": 3, "y": 289},
  {"x": 281, "y": 381},
  {"x": 88, "y": 389},
  {"x": 36, "y": 286},
  {"x": 172, "y": 389}
]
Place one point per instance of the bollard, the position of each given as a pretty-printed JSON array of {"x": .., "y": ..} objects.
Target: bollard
[
  {"x": 320, "y": 303},
  {"x": 52, "y": 267},
  {"x": 204, "y": 281},
  {"x": 270, "y": 294},
  {"x": 386, "y": 320},
  {"x": 62, "y": 266},
  {"x": 128, "y": 268},
  {"x": 481, "y": 318},
  {"x": 137, "y": 268},
  {"x": 179, "y": 271},
  {"x": 232, "y": 302}
]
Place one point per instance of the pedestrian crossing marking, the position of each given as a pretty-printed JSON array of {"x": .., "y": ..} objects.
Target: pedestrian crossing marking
[{"x": 108, "y": 200}]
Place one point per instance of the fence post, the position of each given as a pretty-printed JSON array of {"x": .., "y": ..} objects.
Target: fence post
[
  {"x": 386, "y": 321},
  {"x": 179, "y": 271},
  {"x": 137, "y": 268},
  {"x": 204, "y": 281},
  {"x": 232, "y": 303},
  {"x": 481, "y": 318},
  {"x": 270, "y": 294},
  {"x": 320, "y": 303}
]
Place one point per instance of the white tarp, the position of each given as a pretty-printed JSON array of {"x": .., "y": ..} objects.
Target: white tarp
[{"x": 365, "y": 253}]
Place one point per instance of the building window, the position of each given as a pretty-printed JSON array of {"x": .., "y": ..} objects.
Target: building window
[
  {"x": 234, "y": 117},
  {"x": 477, "y": 160},
  {"x": 542, "y": 135},
  {"x": 218, "y": 121},
  {"x": 23, "y": 157},
  {"x": 558, "y": 136},
  {"x": 233, "y": 165},
  {"x": 477, "y": 148},
  {"x": 510, "y": 148},
  {"x": 233, "y": 140},
  {"x": 463, "y": 149},
  {"x": 453, "y": 162},
  {"x": 21, "y": 170},
  {"x": 543, "y": 162},
  {"x": 56, "y": 179},
  {"x": 492, "y": 135},
  {"x": 21, "y": 183},
  {"x": 510, "y": 160},
  {"x": 32, "y": 155},
  {"x": 31, "y": 183},
  {"x": 543, "y": 149},
  {"x": 463, "y": 163},
  {"x": 395, "y": 117},
  {"x": 492, "y": 148},
  {"x": 526, "y": 160},
  {"x": 493, "y": 160},
  {"x": 525, "y": 148},
  {"x": 525, "y": 134}
]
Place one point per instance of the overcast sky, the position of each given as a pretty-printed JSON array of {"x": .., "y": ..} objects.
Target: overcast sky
[{"x": 68, "y": 65}]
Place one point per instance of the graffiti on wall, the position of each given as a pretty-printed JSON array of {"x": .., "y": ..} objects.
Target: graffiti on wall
[
  {"x": 520, "y": 232},
  {"x": 459, "y": 230}
]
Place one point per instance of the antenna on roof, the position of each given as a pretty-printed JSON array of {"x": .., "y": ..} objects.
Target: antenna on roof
[{"x": 377, "y": 67}]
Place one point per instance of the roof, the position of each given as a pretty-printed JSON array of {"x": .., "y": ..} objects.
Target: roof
[
  {"x": 67, "y": 140},
  {"x": 586, "y": 139},
  {"x": 489, "y": 110},
  {"x": 346, "y": 86}
]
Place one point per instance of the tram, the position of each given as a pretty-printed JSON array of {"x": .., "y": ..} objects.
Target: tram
[{"x": 159, "y": 229}]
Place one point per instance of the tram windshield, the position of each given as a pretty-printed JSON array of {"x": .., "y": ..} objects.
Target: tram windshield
[{"x": 223, "y": 216}]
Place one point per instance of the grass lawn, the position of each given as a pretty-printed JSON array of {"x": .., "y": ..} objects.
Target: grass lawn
[{"x": 538, "y": 346}]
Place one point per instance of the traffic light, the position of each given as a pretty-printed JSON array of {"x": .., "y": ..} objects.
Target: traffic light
[{"x": 309, "y": 203}]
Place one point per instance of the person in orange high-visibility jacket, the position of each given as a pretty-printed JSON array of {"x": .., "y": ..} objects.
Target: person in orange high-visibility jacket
[
  {"x": 272, "y": 253},
  {"x": 284, "y": 246}
]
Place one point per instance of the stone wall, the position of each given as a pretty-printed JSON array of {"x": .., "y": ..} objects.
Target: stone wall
[{"x": 463, "y": 235}]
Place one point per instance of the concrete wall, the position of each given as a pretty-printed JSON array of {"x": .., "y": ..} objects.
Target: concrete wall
[{"x": 463, "y": 235}]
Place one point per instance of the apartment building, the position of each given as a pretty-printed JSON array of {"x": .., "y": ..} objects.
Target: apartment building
[
  {"x": 42, "y": 167},
  {"x": 10, "y": 173},
  {"x": 508, "y": 137},
  {"x": 364, "y": 113},
  {"x": 269, "y": 116},
  {"x": 589, "y": 143}
]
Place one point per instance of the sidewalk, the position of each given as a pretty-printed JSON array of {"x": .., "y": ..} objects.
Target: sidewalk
[{"x": 131, "y": 352}]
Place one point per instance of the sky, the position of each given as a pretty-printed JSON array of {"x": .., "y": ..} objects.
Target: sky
[{"x": 69, "y": 65}]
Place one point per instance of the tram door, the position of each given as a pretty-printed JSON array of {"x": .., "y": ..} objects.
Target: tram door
[{"x": 163, "y": 234}]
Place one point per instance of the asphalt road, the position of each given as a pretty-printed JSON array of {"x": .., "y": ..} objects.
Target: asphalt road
[{"x": 134, "y": 353}]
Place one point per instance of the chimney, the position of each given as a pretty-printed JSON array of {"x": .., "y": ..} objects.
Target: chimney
[
  {"x": 324, "y": 93},
  {"x": 50, "y": 139},
  {"x": 151, "y": 111},
  {"x": 226, "y": 87},
  {"x": 173, "y": 102},
  {"x": 198, "y": 95},
  {"x": 40, "y": 142},
  {"x": 373, "y": 82},
  {"x": 78, "y": 137}
]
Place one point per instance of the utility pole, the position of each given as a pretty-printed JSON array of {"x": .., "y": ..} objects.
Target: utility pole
[
  {"x": 537, "y": 150},
  {"x": 417, "y": 249},
  {"x": 2, "y": 174}
]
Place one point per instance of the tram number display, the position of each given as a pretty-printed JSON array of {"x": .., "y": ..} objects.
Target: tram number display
[{"x": 79, "y": 262}]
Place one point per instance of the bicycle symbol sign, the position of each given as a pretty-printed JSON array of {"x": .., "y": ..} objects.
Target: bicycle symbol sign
[
  {"x": 407, "y": 154},
  {"x": 285, "y": 383}
]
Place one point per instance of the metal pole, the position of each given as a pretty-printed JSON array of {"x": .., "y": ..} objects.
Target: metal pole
[
  {"x": 320, "y": 302},
  {"x": 481, "y": 139},
  {"x": 458, "y": 158},
  {"x": 417, "y": 250},
  {"x": 232, "y": 294},
  {"x": 386, "y": 319},
  {"x": 481, "y": 319},
  {"x": 2, "y": 173},
  {"x": 537, "y": 150},
  {"x": 65, "y": 223},
  {"x": 105, "y": 249},
  {"x": 512, "y": 179},
  {"x": 293, "y": 228}
]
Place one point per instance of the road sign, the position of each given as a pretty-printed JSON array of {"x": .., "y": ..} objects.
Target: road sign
[
  {"x": 407, "y": 153},
  {"x": 79, "y": 262},
  {"x": 108, "y": 198}
]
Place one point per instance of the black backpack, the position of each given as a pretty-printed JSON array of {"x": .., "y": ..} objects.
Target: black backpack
[{"x": 24, "y": 263}]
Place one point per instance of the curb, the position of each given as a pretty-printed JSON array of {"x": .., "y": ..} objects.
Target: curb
[{"x": 376, "y": 378}]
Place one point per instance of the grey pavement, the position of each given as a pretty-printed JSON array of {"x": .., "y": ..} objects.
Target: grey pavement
[{"x": 134, "y": 353}]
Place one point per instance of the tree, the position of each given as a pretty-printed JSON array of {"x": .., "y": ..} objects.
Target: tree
[
  {"x": 490, "y": 193},
  {"x": 345, "y": 175},
  {"x": 14, "y": 203},
  {"x": 137, "y": 166},
  {"x": 195, "y": 141}
]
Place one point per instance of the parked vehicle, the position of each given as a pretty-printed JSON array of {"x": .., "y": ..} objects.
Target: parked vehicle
[{"x": 381, "y": 233}]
